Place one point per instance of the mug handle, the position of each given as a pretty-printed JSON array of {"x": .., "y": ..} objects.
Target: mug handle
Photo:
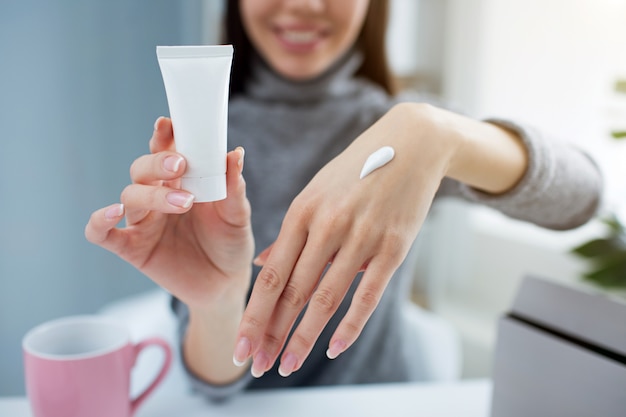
[{"x": 134, "y": 405}]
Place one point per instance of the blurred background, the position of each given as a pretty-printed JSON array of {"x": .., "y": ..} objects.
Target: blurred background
[{"x": 80, "y": 90}]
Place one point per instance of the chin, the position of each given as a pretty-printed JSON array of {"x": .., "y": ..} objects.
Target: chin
[{"x": 300, "y": 72}]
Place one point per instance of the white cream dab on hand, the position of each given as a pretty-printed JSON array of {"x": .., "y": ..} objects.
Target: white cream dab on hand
[{"x": 377, "y": 159}]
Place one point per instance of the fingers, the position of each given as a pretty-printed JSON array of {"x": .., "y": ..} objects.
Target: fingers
[
  {"x": 163, "y": 136},
  {"x": 291, "y": 302},
  {"x": 163, "y": 164},
  {"x": 235, "y": 209},
  {"x": 140, "y": 199},
  {"x": 265, "y": 253},
  {"x": 299, "y": 291},
  {"x": 268, "y": 287},
  {"x": 162, "y": 199},
  {"x": 322, "y": 306},
  {"x": 262, "y": 257},
  {"x": 264, "y": 332},
  {"x": 101, "y": 230},
  {"x": 155, "y": 179},
  {"x": 364, "y": 302},
  {"x": 154, "y": 168},
  {"x": 235, "y": 184}
]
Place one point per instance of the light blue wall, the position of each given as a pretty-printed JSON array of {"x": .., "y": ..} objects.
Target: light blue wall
[{"x": 80, "y": 89}]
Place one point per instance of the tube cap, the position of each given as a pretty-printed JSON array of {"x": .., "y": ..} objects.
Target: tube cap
[{"x": 205, "y": 189}]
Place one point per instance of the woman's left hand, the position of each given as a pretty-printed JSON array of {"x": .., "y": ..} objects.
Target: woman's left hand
[{"x": 357, "y": 224}]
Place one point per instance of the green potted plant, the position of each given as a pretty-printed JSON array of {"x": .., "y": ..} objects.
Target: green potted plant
[{"x": 607, "y": 255}]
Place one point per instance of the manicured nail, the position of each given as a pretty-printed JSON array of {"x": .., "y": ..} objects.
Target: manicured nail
[
  {"x": 237, "y": 363},
  {"x": 335, "y": 349},
  {"x": 260, "y": 364},
  {"x": 242, "y": 153},
  {"x": 114, "y": 212},
  {"x": 242, "y": 351},
  {"x": 287, "y": 365},
  {"x": 180, "y": 199},
  {"x": 172, "y": 163}
]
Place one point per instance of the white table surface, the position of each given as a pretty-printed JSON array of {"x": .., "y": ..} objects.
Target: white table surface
[{"x": 460, "y": 399}]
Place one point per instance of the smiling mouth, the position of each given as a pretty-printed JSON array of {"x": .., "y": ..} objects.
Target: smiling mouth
[
  {"x": 300, "y": 36},
  {"x": 301, "y": 39}
]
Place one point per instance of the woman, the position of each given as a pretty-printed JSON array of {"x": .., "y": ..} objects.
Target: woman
[{"x": 311, "y": 99}]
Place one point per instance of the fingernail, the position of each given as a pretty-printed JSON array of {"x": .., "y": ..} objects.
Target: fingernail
[
  {"x": 156, "y": 123},
  {"x": 237, "y": 363},
  {"x": 287, "y": 365},
  {"x": 180, "y": 199},
  {"x": 260, "y": 364},
  {"x": 172, "y": 163},
  {"x": 335, "y": 349},
  {"x": 114, "y": 212},
  {"x": 242, "y": 152},
  {"x": 242, "y": 351}
]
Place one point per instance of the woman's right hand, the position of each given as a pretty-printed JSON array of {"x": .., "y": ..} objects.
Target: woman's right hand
[{"x": 201, "y": 253}]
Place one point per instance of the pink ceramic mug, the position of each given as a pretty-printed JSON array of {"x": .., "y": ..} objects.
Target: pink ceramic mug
[{"x": 80, "y": 366}]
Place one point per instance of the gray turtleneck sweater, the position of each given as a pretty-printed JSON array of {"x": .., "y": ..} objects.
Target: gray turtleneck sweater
[{"x": 291, "y": 130}]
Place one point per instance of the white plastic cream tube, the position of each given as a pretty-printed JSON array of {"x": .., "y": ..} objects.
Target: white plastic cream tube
[{"x": 196, "y": 82}]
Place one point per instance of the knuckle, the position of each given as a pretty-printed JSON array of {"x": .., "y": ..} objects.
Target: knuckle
[
  {"x": 302, "y": 341},
  {"x": 251, "y": 322},
  {"x": 126, "y": 194},
  {"x": 293, "y": 297},
  {"x": 367, "y": 299},
  {"x": 135, "y": 168},
  {"x": 324, "y": 301},
  {"x": 272, "y": 343},
  {"x": 338, "y": 219},
  {"x": 362, "y": 231},
  {"x": 301, "y": 210},
  {"x": 269, "y": 279},
  {"x": 89, "y": 232},
  {"x": 152, "y": 144},
  {"x": 421, "y": 109},
  {"x": 394, "y": 244}
]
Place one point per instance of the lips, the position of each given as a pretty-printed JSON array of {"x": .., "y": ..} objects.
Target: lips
[{"x": 300, "y": 39}]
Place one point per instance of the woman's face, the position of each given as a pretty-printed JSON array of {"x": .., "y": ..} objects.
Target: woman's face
[{"x": 300, "y": 39}]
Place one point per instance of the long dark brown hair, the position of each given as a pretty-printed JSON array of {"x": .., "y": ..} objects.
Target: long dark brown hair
[{"x": 371, "y": 43}]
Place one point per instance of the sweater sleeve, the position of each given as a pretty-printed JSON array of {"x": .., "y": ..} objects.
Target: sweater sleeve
[
  {"x": 215, "y": 393},
  {"x": 560, "y": 190}
]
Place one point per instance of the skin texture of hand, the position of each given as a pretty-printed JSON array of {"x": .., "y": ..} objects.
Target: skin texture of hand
[
  {"x": 201, "y": 253},
  {"x": 194, "y": 251},
  {"x": 362, "y": 224}
]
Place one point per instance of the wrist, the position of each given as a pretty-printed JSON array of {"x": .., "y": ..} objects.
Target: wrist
[
  {"x": 229, "y": 295},
  {"x": 209, "y": 342},
  {"x": 488, "y": 157},
  {"x": 222, "y": 311},
  {"x": 434, "y": 137}
]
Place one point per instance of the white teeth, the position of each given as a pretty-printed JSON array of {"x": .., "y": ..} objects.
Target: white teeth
[{"x": 299, "y": 36}]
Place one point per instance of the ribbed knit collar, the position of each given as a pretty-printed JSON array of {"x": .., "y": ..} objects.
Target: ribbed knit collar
[{"x": 266, "y": 85}]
